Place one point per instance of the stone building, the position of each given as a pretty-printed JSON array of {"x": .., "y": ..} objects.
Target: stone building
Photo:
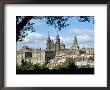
[
  {"x": 57, "y": 46},
  {"x": 23, "y": 54},
  {"x": 81, "y": 61},
  {"x": 75, "y": 46},
  {"x": 34, "y": 56},
  {"x": 56, "y": 53},
  {"x": 57, "y": 43}
]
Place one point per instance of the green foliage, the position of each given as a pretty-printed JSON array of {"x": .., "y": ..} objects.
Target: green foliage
[
  {"x": 85, "y": 66},
  {"x": 23, "y": 62},
  {"x": 43, "y": 66},
  {"x": 36, "y": 67},
  {"x": 29, "y": 66},
  {"x": 18, "y": 67},
  {"x": 68, "y": 67},
  {"x": 69, "y": 64},
  {"x": 26, "y": 65},
  {"x": 59, "y": 22},
  {"x": 58, "y": 67}
]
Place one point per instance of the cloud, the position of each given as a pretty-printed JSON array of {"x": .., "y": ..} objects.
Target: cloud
[
  {"x": 36, "y": 36},
  {"x": 33, "y": 36},
  {"x": 38, "y": 40},
  {"x": 84, "y": 36},
  {"x": 78, "y": 31},
  {"x": 33, "y": 39},
  {"x": 66, "y": 40}
]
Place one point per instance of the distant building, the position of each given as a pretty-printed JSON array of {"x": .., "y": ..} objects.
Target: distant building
[
  {"x": 56, "y": 53},
  {"x": 35, "y": 56}
]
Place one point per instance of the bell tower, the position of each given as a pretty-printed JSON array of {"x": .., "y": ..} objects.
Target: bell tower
[
  {"x": 75, "y": 44},
  {"x": 57, "y": 43},
  {"x": 48, "y": 45}
]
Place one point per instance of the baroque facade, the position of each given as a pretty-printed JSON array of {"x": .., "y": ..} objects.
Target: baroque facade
[{"x": 56, "y": 53}]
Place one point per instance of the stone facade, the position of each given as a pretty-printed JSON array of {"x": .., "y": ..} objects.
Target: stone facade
[
  {"x": 54, "y": 46},
  {"x": 35, "y": 56}
]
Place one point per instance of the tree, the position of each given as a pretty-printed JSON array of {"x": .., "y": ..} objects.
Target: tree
[
  {"x": 85, "y": 66},
  {"x": 26, "y": 65},
  {"x": 69, "y": 63},
  {"x": 58, "y": 67},
  {"x": 29, "y": 66},
  {"x": 36, "y": 67},
  {"x": 18, "y": 67},
  {"x": 23, "y": 23},
  {"x": 23, "y": 62},
  {"x": 44, "y": 65},
  {"x": 20, "y": 24}
]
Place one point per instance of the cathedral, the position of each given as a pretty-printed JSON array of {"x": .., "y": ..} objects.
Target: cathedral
[
  {"x": 55, "y": 53},
  {"x": 57, "y": 46}
]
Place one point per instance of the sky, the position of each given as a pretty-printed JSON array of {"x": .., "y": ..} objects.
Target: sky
[{"x": 84, "y": 32}]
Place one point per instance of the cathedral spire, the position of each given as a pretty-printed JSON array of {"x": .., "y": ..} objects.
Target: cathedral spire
[
  {"x": 48, "y": 39},
  {"x": 75, "y": 39},
  {"x": 75, "y": 45},
  {"x": 48, "y": 46},
  {"x": 57, "y": 43}
]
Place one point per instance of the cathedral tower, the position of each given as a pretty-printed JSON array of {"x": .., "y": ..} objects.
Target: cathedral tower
[
  {"x": 57, "y": 43},
  {"x": 75, "y": 44},
  {"x": 48, "y": 45},
  {"x": 52, "y": 46}
]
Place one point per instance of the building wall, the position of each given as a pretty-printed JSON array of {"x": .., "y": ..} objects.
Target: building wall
[
  {"x": 49, "y": 55},
  {"x": 18, "y": 58},
  {"x": 62, "y": 46},
  {"x": 35, "y": 57},
  {"x": 89, "y": 51}
]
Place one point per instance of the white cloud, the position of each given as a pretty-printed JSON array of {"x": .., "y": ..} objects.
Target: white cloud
[
  {"x": 38, "y": 40},
  {"x": 33, "y": 39},
  {"x": 82, "y": 31},
  {"x": 84, "y": 36},
  {"x": 66, "y": 40},
  {"x": 34, "y": 36}
]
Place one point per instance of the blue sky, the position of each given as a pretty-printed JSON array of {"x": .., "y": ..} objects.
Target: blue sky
[{"x": 84, "y": 32}]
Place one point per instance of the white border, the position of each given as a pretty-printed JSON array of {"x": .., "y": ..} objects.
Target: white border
[{"x": 100, "y": 77}]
